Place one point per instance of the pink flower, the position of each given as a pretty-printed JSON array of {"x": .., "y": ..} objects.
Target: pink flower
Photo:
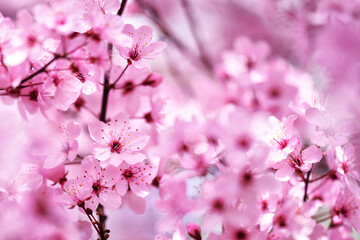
[
  {"x": 78, "y": 191},
  {"x": 100, "y": 181},
  {"x": 348, "y": 166},
  {"x": 247, "y": 56},
  {"x": 137, "y": 178},
  {"x": 116, "y": 142},
  {"x": 297, "y": 160},
  {"x": 331, "y": 129},
  {"x": 67, "y": 146},
  {"x": 218, "y": 203},
  {"x": 275, "y": 93},
  {"x": 67, "y": 88},
  {"x": 155, "y": 117},
  {"x": 347, "y": 207},
  {"x": 281, "y": 137},
  {"x": 288, "y": 220},
  {"x": 173, "y": 202},
  {"x": 57, "y": 16},
  {"x": 141, "y": 47}
]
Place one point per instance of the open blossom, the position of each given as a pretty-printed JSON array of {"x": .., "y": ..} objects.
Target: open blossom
[
  {"x": 78, "y": 191},
  {"x": 100, "y": 181},
  {"x": 141, "y": 46},
  {"x": 348, "y": 166},
  {"x": 347, "y": 208},
  {"x": 67, "y": 146},
  {"x": 137, "y": 178},
  {"x": 331, "y": 130},
  {"x": 297, "y": 160},
  {"x": 116, "y": 142},
  {"x": 247, "y": 57},
  {"x": 281, "y": 137}
]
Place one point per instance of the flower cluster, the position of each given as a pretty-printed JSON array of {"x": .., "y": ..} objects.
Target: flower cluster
[{"x": 243, "y": 129}]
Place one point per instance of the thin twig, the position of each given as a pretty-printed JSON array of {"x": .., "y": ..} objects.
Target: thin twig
[
  {"x": 325, "y": 175},
  {"x": 204, "y": 57},
  {"x": 120, "y": 76},
  {"x": 306, "y": 185}
]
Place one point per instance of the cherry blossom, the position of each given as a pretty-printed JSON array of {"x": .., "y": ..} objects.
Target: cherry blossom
[
  {"x": 117, "y": 142},
  {"x": 101, "y": 182},
  {"x": 281, "y": 137},
  {"x": 78, "y": 191},
  {"x": 68, "y": 148},
  {"x": 297, "y": 160},
  {"x": 141, "y": 46},
  {"x": 347, "y": 209},
  {"x": 96, "y": 145},
  {"x": 331, "y": 130},
  {"x": 137, "y": 178}
]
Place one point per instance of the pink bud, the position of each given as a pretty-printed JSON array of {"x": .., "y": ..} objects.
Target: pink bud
[
  {"x": 153, "y": 80},
  {"x": 193, "y": 230}
]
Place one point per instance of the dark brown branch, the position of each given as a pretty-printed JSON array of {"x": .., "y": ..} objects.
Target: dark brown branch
[{"x": 103, "y": 232}]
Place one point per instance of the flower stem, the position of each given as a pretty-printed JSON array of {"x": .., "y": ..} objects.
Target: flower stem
[
  {"x": 91, "y": 220},
  {"x": 306, "y": 185},
  {"x": 325, "y": 175},
  {"x": 119, "y": 77}
]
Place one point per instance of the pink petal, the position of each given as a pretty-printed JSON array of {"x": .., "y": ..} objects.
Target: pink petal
[
  {"x": 319, "y": 138},
  {"x": 115, "y": 159},
  {"x": 138, "y": 204},
  {"x": 101, "y": 151},
  {"x": 314, "y": 116},
  {"x": 122, "y": 186},
  {"x": 284, "y": 173},
  {"x": 142, "y": 65},
  {"x": 110, "y": 199},
  {"x": 289, "y": 125},
  {"x": 73, "y": 151},
  {"x": 141, "y": 189},
  {"x": 312, "y": 154},
  {"x": 72, "y": 130},
  {"x": 143, "y": 36},
  {"x": 91, "y": 167},
  {"x": 137, "y": 141},
  {"x": 110, "y": 175},
  {"x": 268, "y": 183},
  {"x": 132, "y": 158},
  {"x": 129, "y": 30},
  {"x": 153, "y": 50},
  {"x": 95, "y": 130},
  {"x": 93, "y": 203},
  {"x": 54, "y": 174},
  {"x": 54, "y": 160},
  {"x": 338, "y": 140}
]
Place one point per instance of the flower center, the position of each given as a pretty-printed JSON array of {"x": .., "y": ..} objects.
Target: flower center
[
  {"x": 116, "y": 147},
  {"x": 134, "y": 54},
  {"x": 148, "y": 117},
  {"x": 128, "y": 173},
  {"x": 283, "y": 143},
  {"x": 275, "y": 92},
  {"x": 34, "y": 95},
  {"x": 281, "y": 221},
  {"x": 218, "y": 205},
  {"x": 96, "y": 188},
  {"x": 243, "y": 143},
  {"x": 240, "y": 234}
]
